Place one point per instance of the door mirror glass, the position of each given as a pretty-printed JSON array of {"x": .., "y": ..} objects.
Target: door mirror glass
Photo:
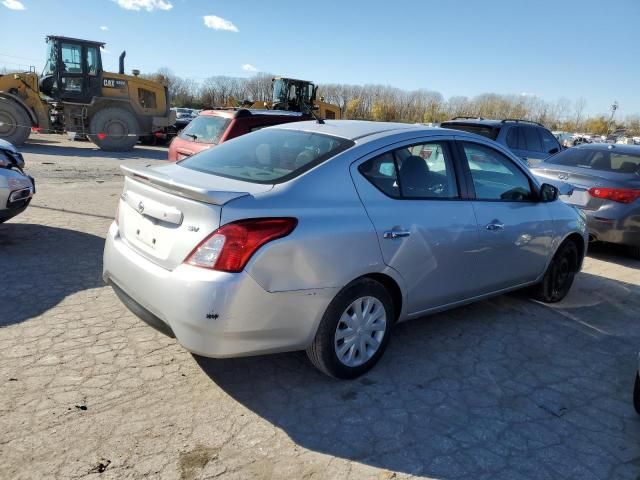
[{"x": 548, "y": 193}]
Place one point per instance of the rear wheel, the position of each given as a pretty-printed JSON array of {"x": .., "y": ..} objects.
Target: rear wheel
[
  {"x": 15, "y": 125},
  {"x": 559, "y": 276},
  {"x": 634, "y": 252},
  {"x": 114, "y": 129},
  {"x": 354, "y": 330}
]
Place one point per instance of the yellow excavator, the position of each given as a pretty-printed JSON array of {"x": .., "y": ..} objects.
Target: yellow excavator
[
  {"x": 293, "y": 95},
  {"x": 74, "y": 94}
]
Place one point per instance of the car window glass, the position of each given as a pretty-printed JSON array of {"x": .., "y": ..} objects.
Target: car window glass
[
  {"x": 513, "y": 138},
  {"x": 424, "y": 171},
  {"x": 381, "y": 172},
  {"x": 268, "y": 156},
  {"x": 496, "y": 177},
  {"x": 205, "y": 129},
  {"x": 602, "y": 160},
  {"x": 485, "y": 131},
  {"x": 549, "y": 142},
  {"x": 532, "y": 139}
]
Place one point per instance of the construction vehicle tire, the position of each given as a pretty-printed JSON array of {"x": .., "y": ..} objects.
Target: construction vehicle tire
[
  {"x": 15, "y": 125},
  {"x": 114, "y": 129}
]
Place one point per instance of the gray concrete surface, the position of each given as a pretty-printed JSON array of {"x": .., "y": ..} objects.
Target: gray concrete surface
[{"x": 503, "y": 389}]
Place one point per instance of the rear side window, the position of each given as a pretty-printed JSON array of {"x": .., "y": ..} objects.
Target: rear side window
[
  {"x": 496, "y": 177},
  {"x": 267, "y": 156},
  {"x": 484, "y": 130},
  {"x": 549, "y": 142},
  {"x": 205, "y": 129},
  {"x": 532, "y": 139},
  {"x": 423, "y": 171},
  {"x": 515, "y": 139},
  {"x": 602, "y": 160}
]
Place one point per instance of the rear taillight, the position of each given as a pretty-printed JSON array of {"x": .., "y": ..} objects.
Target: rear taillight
[
  {"x": 621, "y": 195},
  {"x": 230, "y": 247}
]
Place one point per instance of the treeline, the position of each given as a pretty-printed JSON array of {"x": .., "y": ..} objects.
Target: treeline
[{"x": 385, "y": 103}]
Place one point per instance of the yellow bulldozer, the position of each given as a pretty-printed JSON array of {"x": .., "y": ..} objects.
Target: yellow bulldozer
[
  {"x": 74, "y": 94},
  {"x": 293, "y": 95}
]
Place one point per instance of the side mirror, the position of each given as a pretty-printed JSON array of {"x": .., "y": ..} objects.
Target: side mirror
[{"x": 548, "y": 193}]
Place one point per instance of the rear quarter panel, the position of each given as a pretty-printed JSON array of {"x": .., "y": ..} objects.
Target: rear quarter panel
[{"x": 334, "y": 242}]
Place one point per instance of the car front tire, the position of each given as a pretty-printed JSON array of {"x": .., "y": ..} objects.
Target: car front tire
[
  {"x": 560, "y": 274},
  {"x": 354, "y": 330}
]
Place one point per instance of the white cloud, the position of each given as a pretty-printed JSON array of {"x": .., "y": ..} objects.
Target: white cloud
[
  {"x": 148, "y": 5},
  {"x": 247, "y": 67},
  {"x": 104, "y": 28},
  {"x": 218, "y": 23},
  {"x": 14, "y": 4}
]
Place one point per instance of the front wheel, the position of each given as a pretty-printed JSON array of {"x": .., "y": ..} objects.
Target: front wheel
[
  {"x": 354, "y": 331},
  {"x": 560, "y": 274},
  {"x": 15, "y": 125}
]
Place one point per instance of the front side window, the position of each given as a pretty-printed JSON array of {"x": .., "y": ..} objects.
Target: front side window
[
  {"x": 496, "y": 177},
  {"x": 267, "y": 156},
  {"x": 418, "y": 171},
  {"x": 92, "y": 60}
]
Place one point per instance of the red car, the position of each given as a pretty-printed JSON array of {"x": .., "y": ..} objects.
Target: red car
[{"x": 212, "y": 127}]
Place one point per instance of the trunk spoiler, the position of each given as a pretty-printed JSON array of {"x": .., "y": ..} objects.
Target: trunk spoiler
[{"x": 167, "y": 184}]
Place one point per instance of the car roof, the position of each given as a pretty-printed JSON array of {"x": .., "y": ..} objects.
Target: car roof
[
  {"x": 354, "y": 129},
  {"x": 251, "y": 112},
  {"x": 614, "y": 147},
  {"x": 491, "y": 122}
]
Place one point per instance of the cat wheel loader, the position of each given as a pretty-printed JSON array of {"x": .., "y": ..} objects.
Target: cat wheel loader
[
  {"x": 74, "y": 94},
  {"x": 293, "y": 95}
]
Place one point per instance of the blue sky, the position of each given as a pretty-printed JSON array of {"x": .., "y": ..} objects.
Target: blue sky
[{"x": 552, "y": 49}]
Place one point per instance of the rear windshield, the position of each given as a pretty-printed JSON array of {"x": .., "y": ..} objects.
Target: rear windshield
[
  {"x": 267, "y": 156},
  {"x": 603, "y": 160},
  {"x": 485, "y": 131},
  {"x": 205, "y": 129}
]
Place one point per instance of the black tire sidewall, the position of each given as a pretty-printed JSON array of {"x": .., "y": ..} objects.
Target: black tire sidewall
[
  {"x": 547, "y": 294},
  {"x": 101, "y": 119},
  {"x": 19, "y": 118},
  {"x": 326, "y": 331}
]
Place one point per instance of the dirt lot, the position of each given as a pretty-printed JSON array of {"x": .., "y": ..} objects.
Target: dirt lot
[{"x": 506, "y": 388}]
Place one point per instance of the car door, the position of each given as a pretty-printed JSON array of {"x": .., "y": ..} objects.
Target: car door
[
  {"x": 515, "y": 230},
  {"x": 425, "y": 226}
]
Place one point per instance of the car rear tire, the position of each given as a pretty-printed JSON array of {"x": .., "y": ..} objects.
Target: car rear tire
[
  {"x": 634, "y": 252},
  {"x": 636, "y": 394},
  {"x": 354, "y": 330},
  {"x": 15, "y": 125},
  {"x": 114, "y": 130},
  {"x": 559, "y": 276}
]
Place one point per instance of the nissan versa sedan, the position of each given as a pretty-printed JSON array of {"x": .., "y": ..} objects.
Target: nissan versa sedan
[
  {"x": 606, "y": 186},
  {"x": 320, "y": 236}
]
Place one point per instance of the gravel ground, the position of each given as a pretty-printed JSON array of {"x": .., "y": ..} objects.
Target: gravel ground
[{"x": 505, "y": 388}]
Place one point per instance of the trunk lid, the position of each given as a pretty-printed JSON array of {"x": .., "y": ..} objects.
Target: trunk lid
[
  {"x": 165, "y": 212},
  {"x": 582, "y": 180}
]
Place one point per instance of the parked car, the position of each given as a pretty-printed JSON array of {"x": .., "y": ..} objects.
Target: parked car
[
  {"x": 183, "y": 117},
  {"x": 321, "y": 236},
  {"x": 212, "y": 127},
  {"x": 530, "y": 141},
  {"x": 16, "y": 187},
  {"x": 606, "y": 181}
]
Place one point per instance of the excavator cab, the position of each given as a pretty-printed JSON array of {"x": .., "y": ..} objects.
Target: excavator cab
[
  {"x": 73, "y": 72},
  {"x": 294, "y": 95}
]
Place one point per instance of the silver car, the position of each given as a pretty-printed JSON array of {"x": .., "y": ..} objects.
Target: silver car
[
  {"x": 321, "y": 236},
  {"x": 606, "y": 181},
  {"x": 16, "y": 187}
]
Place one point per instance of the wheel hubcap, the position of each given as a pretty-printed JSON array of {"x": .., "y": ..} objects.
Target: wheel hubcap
[
  {"x": 7, "y": 124},
  {"x": 360, "y": 331}
]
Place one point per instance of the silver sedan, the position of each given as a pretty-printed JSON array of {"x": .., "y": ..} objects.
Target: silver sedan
[
  {"x": 16, "y": 187},
  {"x": 322, "y": 236}
]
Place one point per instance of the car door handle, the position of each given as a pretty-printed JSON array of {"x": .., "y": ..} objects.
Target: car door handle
[
  {"x": 396, "y": 234},
  {"x": 494, "y": 226}
]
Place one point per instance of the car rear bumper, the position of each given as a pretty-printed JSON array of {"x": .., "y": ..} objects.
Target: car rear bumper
[
  {"x": 214, "y": 314},
  {"x": 624, "y": 230}
]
